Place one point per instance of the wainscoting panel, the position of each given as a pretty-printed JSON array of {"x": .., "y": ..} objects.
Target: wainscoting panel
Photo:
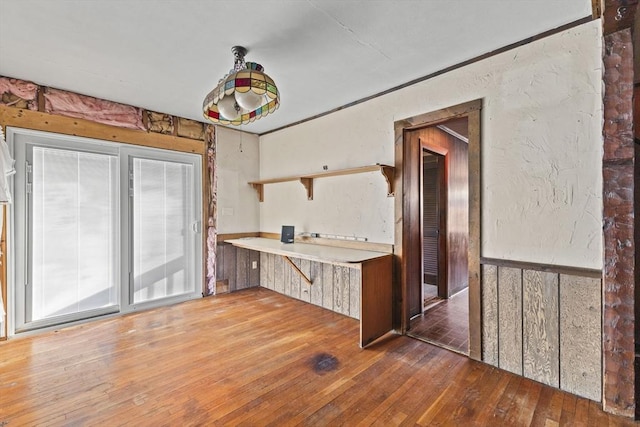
[
  {"x": 316, "y": 277},
  {"x": 235, "y": 268},
  {"x": 278, "y": 274},
  {"x": 490, "y": 314},
  {"x": 510, "y": 319},
  {"x": 540, "y": 333},
  {"x": 263, "y": 270},
  {"x": 327, "y": 286},
  {"x": 246, "y": 275},
  {"x": 334, "y": 287},
  {"x": 354, "y": 292},
  {"x": 305, "y": 290},
  {"x": 544, "y": 323},
  {"x": 581, "y": 337}
]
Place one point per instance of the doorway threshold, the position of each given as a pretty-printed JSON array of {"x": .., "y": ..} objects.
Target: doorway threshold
[{"x": 438, "y": 344}]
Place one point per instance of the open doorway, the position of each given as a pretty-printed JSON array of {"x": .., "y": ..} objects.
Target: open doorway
[
  {"x": 455, "y": 230},
  {"x": 440, "y": 312}
]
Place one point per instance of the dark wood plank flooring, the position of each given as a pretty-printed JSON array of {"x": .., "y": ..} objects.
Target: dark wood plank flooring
[
  {"x": 445, "y": 324},
  {"x": 257, "y": 358}
]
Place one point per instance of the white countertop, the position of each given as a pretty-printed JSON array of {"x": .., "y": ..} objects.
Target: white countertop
[{"x": 308, "y": 251}]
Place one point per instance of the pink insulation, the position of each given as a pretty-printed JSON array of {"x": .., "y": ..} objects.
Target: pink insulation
[
  {"x": 212, "y": 232},
  {"x": 98, "y": 110},
  {"x": 21, "y": 89}
]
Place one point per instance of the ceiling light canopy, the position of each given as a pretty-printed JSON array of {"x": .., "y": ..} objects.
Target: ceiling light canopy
[{"x": 243, "y": 95}]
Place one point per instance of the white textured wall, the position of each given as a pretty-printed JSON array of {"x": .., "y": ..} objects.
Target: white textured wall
[
  {"x": 541, "y": 154},
  {"x": 238, "y": 163}
]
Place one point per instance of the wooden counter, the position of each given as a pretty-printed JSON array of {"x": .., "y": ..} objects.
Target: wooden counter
[
  {"x": 353, "y": 282},
  {"x": 313, "y": 252}
]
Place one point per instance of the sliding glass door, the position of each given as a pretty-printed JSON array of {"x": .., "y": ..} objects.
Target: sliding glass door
[
  {"x": 101, "y": 228},
  {"x": 162, "y": 224},
  {"x": 72, "y": 221}
]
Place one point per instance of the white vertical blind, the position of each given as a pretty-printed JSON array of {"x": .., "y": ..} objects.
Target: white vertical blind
[
  {"x": 74, "y": 226},
  {"x": 162, "y": 215}
]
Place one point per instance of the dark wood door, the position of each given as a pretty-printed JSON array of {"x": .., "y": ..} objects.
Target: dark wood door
[{"x": 453, "y": 214}]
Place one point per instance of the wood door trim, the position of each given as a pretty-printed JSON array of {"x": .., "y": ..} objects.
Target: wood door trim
[
  {"x": 403, "y": 157},
  {"x": 436, "y": 117}
]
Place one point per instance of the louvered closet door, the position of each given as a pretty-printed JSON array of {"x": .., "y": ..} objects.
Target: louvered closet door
[{"x": 430, "y": 219}]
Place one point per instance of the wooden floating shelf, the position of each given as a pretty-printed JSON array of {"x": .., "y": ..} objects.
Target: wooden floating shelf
[{"x": 307, "y": 180}]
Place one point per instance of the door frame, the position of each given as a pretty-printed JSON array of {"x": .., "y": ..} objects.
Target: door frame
[{"x": 408, "y": 254}]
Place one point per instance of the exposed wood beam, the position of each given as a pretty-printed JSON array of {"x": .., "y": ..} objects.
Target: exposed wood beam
[
  {"x": 617, "y": 14},
  {"x": 619, "y": 388},
  {"x": 28, "y": 119},
  {"x": 596, "y": 8}
]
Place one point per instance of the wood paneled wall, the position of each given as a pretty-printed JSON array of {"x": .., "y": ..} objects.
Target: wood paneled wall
[
  {"x": 335, "y": 287},
  {"x": 545, "y": 326},
  {"x": 456, "y": 204},
  {"x": 235, "y": 268}
]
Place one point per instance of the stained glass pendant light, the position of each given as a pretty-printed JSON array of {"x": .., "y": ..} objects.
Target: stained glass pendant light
[{"x": 243, "y": 95}]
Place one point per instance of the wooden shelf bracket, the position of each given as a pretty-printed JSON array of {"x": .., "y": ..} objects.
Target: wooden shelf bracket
[
  {"x": 259, "y": 189},
  {"x": 295, "y": 267},
  {"x": 308, "y": 184},
  {"x": 389, "y": 173}
]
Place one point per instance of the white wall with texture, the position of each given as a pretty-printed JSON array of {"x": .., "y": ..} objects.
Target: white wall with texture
[
  {"x": 541, "y": 150},
  {"x": 238, "y": 162}
]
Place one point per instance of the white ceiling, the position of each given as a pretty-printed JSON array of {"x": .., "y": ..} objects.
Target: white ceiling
[{"x": 166, "y": 55}]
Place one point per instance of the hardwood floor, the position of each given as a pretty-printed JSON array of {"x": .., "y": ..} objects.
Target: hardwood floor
[
  {"x": 446, "y": 323},
  {"x": 257, "y": 358}
]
